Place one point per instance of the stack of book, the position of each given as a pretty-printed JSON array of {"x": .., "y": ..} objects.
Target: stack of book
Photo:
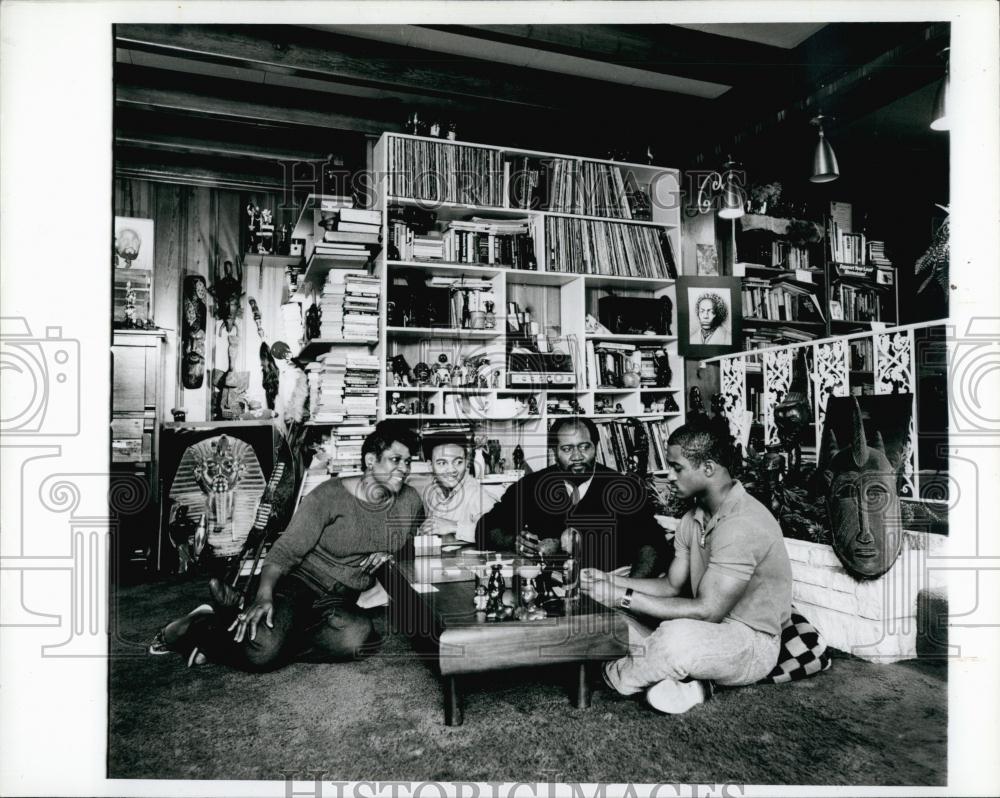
[
  {"x": 583, "y": 246},
  {"x": 860, "y": 303},
  {"x": 617, "y": 444},
  {"x": 314, "y": 476},
  {"x": 647, "y": 358},
  {"x": 658, "y": 433},
  {"x": 360, "y": 387},
  {"x": 326, "y": 386},
  {"x": 787, "y": 256},
  {"x": 345, "y": 447},
  {"x": 490, "y": 241},
  {"x": 862, "y": 354},
  {"x": 765, "y": 338},
  {"x": 349, "y": 234},
  {"x": 876, "y": 254},
  {"x": 443, "y": 172},
  {"x": 292, "y": 330},
  {"x": 780, "y": 299},
  {"x": 331, "y": 304},
  {"x": 361, "y": 297}
]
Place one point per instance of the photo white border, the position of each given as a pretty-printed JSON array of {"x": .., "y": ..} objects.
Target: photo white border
[{"x": 55, "y": 195}]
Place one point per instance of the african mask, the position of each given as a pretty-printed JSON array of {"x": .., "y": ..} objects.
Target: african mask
[
  {"x": 862, "y": 504},
  {"x": 193, "y": 327}
]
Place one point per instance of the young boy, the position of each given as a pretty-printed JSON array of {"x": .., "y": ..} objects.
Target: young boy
[{"x": 455, "y": 500}]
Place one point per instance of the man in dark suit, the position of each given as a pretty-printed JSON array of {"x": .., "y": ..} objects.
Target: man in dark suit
[{"x": 611, "y": 511}]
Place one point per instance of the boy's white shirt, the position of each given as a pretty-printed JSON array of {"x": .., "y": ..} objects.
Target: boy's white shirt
[{"x": 464, "y": 506}]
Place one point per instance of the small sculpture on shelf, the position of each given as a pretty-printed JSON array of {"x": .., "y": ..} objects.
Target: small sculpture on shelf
[
  {"x": 422, "y": 374},
  {"x": 661, "y": 366},
  {"x": 493, "y": 456},
  {"x": 401, "y": 372},
  {"x": 442, "y": 372},
  {"x": 666, "y": 315},
  {"x": 517, "y": 456},
  {"x": 314, "y": 319},
  {"x": 129, "y": 305}
]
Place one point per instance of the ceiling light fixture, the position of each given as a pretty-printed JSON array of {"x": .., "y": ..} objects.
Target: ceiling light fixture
[
  {"x": 825, "y": 166},
  {"x": 939, "y": 121},
  {"x": 728, "y": 187}
]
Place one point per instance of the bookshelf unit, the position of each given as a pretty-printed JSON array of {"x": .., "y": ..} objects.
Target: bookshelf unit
[
  {"x": 557, "y": 286},
  {"x": 779, "y": 280}
]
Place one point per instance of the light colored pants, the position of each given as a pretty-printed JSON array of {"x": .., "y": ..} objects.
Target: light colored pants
[{"x": 729, "y": 653}]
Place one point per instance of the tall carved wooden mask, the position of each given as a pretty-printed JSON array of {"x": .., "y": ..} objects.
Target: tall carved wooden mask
[{"x": 863, "y": 504}]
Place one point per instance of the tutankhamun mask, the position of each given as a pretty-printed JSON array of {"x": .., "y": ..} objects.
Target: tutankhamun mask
[
  {"x": 863, "y": 505},
  {"x": 217, "y": 475}
]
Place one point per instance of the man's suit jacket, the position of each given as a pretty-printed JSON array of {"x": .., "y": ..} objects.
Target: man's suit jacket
[{"x": 614, "y": 517}]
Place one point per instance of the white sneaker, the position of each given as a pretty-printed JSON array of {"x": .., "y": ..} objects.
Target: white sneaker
[{"x": 676, "y": 698}]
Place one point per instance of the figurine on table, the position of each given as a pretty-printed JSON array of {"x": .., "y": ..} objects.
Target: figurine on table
[{"x": 314, "y": 317}]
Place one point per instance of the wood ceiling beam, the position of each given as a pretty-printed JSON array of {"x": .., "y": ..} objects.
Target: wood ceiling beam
[
  {"x": 664, "y": 49},
  {"x": 175, "y": 101},
  {"x": 327, "y": 56}
]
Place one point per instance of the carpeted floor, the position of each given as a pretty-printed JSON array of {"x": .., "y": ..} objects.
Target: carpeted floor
[{"x": 381, "y": 718}]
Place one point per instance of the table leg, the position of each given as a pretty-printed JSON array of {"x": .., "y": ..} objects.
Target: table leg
[
  {"x": 453, "y": 715},
  {"x": 582, "y": 700}
]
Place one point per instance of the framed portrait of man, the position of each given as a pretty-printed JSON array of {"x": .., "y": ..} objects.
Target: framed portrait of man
[{"x": 709, "y": 316}]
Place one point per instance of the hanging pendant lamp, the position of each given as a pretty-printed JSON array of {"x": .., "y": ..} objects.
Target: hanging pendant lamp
[
  {"x": 727, "y": 187},
  {"x": 825, "y": 166},
  {"x": 939, "y": 121}
]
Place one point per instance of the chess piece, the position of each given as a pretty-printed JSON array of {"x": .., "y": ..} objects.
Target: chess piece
[{"x": 495, "y": 609}]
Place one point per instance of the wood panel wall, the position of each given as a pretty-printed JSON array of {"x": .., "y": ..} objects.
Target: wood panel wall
[{"x": 197, "y": 229}]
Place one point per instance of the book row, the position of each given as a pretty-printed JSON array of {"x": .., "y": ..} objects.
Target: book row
[{"x": 582, "y": 246}]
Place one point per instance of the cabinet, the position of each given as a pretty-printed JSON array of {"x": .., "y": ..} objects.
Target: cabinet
[{"x": 137, "y": 380}]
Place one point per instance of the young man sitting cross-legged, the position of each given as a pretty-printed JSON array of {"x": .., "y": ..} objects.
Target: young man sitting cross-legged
[{"x": 731, "y": 549}]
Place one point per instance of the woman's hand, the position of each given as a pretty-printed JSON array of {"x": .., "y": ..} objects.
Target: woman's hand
[
  {"x": 374, "y": 561},
  {"x": 262, "y": 609}
]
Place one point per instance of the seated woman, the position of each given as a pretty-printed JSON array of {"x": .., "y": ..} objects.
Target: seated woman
[
  {"x": 455, "y": 500},
  {"x": 304, "y": 606}
]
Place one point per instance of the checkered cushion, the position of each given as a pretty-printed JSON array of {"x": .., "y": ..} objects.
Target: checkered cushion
[{"x": 803, "y": 652}]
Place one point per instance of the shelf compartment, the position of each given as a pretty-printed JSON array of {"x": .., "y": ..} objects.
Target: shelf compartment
[
  {"x": 452, "y": 333},
  {"x": 314, "y": 347},
  {"x": 320, "y": 265},
  {"x": 632, "y": 339},
  {"x": 618, "y": 282}
]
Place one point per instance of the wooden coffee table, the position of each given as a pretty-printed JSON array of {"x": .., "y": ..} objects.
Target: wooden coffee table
[{"x": 432, "y": 598}]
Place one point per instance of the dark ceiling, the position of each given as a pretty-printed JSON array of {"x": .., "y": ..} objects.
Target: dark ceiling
[{"x": 227, "y": 104}]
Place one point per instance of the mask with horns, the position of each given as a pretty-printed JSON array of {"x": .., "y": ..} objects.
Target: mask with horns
[{"x": 863, "y": 504}]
